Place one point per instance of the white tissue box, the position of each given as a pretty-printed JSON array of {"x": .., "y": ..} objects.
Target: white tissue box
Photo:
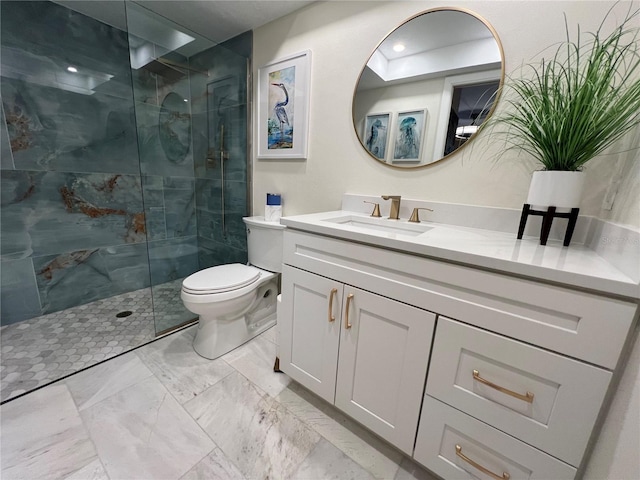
[{"x": 272, "y": 213}]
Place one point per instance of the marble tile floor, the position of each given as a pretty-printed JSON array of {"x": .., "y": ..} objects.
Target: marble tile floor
[
  {"x": 41, "y": 350},
  {"x": 163, "y": 412}
]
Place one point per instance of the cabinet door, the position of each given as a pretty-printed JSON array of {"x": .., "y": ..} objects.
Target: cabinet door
[
  {"x": 384, "y": 352},
  {"x": 310, "y": 330}
]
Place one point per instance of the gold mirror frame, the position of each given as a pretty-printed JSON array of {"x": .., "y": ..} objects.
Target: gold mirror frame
[{"x": 491, "y": 110}]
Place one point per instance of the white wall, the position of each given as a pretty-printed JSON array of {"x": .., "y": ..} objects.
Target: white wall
[{"x": 342, "y": 35}]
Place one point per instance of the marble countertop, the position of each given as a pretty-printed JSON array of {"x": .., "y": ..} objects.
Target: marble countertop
[{"x": 575, "y": 266}]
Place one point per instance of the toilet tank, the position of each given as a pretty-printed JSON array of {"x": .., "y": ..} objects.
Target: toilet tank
[{"x": 264, "y": 243}]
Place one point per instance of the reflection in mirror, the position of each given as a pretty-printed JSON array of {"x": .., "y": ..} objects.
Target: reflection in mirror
[
  {"x": 427, "y": 87},
  {"x": 174, "y": 127}
]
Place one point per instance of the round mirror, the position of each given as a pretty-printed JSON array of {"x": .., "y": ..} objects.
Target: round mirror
[{"x": 427, "y": 87}]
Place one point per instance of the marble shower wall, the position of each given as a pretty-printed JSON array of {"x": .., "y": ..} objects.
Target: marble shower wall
[
  {"x": 179, "y": 111},
  {"x": 219, "y": 108},
  {"x": 105, "y": 182},
  {"x": 163, "y": 116},
  {"x": 72, "y": 227}
]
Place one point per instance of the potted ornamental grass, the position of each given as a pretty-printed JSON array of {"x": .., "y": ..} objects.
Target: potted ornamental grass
[{"x": 568, "y": 109}]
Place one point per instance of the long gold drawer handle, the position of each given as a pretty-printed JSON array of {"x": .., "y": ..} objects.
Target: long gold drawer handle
[
  {"x": 334, "y": 292},
  {"x": 527, "y": 397},
  {"x": 347, "y": 325},
  {"x": 504, "y": 476}
]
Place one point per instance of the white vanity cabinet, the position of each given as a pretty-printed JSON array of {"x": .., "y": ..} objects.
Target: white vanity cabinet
[
  {"x": 518, "y": 374},
  {"x": 363, "y": 352},
  {"x": 547, "y": 400}
]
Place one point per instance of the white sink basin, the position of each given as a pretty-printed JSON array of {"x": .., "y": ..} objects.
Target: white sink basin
[{"x": 385, "y": 225}]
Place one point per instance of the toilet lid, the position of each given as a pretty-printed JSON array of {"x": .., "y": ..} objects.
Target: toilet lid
[{"x": 222, "y": 278}]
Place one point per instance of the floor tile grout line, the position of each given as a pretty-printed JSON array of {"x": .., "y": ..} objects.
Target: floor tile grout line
[
  {"x": 205, "y": 432},
  {"x": 299, "y": 418},
  {"x": 274, "y": 402},
  {"x": 83, "y": 314},
  {"x": 118, "y": 391},
  {"x": 61, "y": 379},
  {"x": 93, "y": 443},
  {"x": 180, "y": 405},
  {"x": 167, "y": 392},
  {"x": 215, "y": 446},
  {"x": 331, "y": 442},
  {"x": 183, "y": 407}
]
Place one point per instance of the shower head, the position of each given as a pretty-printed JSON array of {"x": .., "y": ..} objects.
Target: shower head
[
  {"x": 165, "y": 70},
  {"x": 171, "y": 70}
]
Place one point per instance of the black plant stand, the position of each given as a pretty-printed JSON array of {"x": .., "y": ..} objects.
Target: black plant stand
[{"x": 547, "y": 219}]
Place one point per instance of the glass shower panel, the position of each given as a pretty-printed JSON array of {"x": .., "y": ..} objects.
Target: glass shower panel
[
  {"x": 123, "y": 169},
  {"x": 73, "y": 253},
  {"x": 160, "y": 73},
  {"x": 220, "y": 127},
  {"x": 194, "y": 180}
]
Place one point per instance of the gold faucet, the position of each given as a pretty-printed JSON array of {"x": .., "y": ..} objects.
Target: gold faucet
[{"x": 395, "y": 206}]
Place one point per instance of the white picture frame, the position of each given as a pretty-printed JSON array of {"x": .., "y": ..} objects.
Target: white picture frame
[
  {"x": 408, "y": 136},
  {"x": 283, "y": 108},
  {"x": 375, "y": 135}
]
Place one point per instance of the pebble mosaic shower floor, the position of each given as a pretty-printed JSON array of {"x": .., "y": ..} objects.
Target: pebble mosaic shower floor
[{"x": 41, "y": 350}]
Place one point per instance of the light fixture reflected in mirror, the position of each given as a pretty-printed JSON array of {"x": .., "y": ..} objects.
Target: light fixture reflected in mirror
[
  {"x": 448, "y": 73},
  {"x": 466, "y": 131}
]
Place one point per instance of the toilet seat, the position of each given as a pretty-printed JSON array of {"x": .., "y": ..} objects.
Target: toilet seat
[{"x": 220, "y": 279}]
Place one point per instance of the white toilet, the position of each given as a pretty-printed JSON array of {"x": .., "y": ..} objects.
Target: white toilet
[{"x": 236, "y": 302}]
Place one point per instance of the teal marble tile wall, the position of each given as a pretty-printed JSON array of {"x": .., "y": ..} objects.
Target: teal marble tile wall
[
  {"x": 58, "y": 120},
  {"x": 164, "y": 120},
  {"x": 19, "y": 292},
  {"x": 6, "y": 157},
  {"x": 45, "y": 213},
  {"x": 72, "y": 218},
  {"x": 172, "y": 259},
  {"x": 219, "y": 105},
  {"x": 95, "y": 274},
  {"x": 105, "y": 182}
]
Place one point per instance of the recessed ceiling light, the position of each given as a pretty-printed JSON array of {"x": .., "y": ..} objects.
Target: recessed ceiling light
[
  {"x": 72, "y": 69},
  {"x": 398, "y": 47}
]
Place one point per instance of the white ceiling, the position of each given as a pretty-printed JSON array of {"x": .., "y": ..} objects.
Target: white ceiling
[
  {"x": 216, "y": 20},
  {"x": 437, "y": 44}
]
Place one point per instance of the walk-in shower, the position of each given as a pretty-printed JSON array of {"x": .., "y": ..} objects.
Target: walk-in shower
[{"x": 110, "y": 194}]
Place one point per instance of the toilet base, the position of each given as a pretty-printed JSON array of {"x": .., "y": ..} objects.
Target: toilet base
[{"x": 215, "y": 338}]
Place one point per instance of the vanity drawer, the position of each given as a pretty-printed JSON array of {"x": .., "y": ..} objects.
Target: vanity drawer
[
  {"x": 443, "y": 428},
  {"x": 489, "y": 377}
]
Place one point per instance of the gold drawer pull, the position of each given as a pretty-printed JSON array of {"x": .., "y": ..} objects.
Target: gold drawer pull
[
  {"x": 504, "y": 476},
  {"x": 334, "y": 292},
  {"x": 347, "y": 325},
  {"x": 527, "y": 397}
]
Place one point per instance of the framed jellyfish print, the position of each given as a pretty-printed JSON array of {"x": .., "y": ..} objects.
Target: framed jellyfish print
[
  {"x": 376, "y": 134},
  {"x": 283, "y": 108},
  {"x": 408, "y": 137}
]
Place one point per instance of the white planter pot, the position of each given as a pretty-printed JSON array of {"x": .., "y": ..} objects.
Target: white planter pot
[{"x": 556, "y": 188}]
